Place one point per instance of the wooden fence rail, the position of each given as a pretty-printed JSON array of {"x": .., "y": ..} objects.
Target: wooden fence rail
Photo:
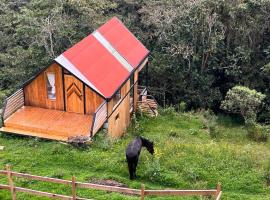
[{"x": 216, "y": 193}]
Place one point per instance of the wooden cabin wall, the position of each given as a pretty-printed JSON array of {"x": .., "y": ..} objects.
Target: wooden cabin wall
[
  {"x": 92, "y": 101},
  {"x": 36, "y": 91},
  {"x": 120, "y": 119}
]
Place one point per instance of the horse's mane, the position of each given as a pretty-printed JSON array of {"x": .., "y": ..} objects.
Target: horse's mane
[
  {"x": 148, "y": 144},
  {"x": 145, "y": 141}
]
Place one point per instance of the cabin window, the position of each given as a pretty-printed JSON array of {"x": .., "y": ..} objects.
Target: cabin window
[
  {"x": 117, "y": 117},
  {"x": 116, "y": 98},
  {"x": 51, "y": 85}
]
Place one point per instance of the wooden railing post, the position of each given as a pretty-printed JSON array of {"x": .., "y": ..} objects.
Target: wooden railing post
[
  {"x": 74, "y": 188},
  {"x": 142, "y": 191},
  {"x": 218, "y": 191},
  {"x": 11, "y": 183}
]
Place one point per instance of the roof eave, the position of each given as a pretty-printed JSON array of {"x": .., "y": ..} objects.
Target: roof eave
[{"x": 131, "y": 73}]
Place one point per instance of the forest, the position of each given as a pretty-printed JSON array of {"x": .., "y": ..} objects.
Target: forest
[
  {"x": 199, "y": 49},
  {"x": 209, "y": 70}
]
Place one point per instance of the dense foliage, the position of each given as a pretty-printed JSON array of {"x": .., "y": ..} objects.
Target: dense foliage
[
  {"x": 244, "y": 101},
  {"x": 199, "y": 49}
]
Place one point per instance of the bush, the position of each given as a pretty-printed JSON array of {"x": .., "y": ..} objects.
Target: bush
[
  {"x": 244, "y": 101},
  {"x": 210, "y": 121},
  {"x": 135, "y": 128},
  {"x": 267, "y": 177},
  {"x": 168, "y": 111},
  {"x": 153, "y": 171},
  {"x": 182, "y": 106},
  {"x": 267, "y": 174},
  {"x": 258, "y": 132}
]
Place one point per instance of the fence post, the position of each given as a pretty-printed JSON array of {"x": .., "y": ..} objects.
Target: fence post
[
  {"x": 10, "y": 182},
  {"x": 74, "y": 188},
  {"x": 142, "y": 192},
  {"x": 218, "y": 189}
]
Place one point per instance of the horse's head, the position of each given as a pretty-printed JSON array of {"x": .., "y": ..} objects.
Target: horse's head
[
  {"x": 150, "y": 147},
  {"x": 148, "y": 144}
]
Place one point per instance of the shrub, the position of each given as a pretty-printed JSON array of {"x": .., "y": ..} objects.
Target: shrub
[
  {"x": 173, "y": 134},
  {"x": 267, "y": 174},
  {"x": 258, "y": 132},
  {"x": 210, "y": 121},
  {"x": 168, "y": 111},
  {"x": 244, "y": 101},
  {"x": 153, "y": 171},
  {"x": 264, "y": 115},
  {"x": 267, "y": 177},
  {"x": 182, "y": 106},
  {"x": 213, "y": 132},
  {"x": 136, "y": 128}
]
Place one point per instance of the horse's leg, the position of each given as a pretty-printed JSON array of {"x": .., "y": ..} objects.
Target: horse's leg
[
  {"x": 135, "y": 165},
  {"x": 130, "y": 169}
]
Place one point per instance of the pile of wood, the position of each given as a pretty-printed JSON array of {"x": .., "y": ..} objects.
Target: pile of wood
[{"x": 148, "y": 105}]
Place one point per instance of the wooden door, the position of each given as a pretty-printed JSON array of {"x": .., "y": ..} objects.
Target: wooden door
[{"x": 74, "y": 94}]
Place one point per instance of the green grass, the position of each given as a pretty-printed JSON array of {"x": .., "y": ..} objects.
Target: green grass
[{"x": 186, "y": 157}]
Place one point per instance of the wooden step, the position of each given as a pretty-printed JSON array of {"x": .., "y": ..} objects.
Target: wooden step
[{"x": 32, "y": 133}]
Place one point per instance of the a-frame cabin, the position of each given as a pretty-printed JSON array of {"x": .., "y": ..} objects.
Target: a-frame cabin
[{"x": 92, "y": 83}]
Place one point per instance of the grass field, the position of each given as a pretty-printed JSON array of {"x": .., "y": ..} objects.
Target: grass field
[{"x": 186, "y": 157}]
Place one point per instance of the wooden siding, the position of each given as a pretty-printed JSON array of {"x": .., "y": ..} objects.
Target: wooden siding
[
  {"x": 92, "y": 101},
  {"x": 74, "y": 94},
  {"x": 36, "y": 91},
  {"x": 119, "y": 121}
]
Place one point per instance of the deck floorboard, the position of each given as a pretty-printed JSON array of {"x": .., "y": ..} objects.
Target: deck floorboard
[{"x": 47, "y": 123}]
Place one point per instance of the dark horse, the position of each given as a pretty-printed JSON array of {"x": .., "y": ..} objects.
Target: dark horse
[{"x": 133, "y": 152}]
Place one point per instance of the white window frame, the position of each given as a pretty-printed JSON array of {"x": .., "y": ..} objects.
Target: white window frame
[{"x": 51, "y": 95}]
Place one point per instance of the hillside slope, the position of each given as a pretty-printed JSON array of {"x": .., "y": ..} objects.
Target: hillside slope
[{"x": 186, "y": 157}]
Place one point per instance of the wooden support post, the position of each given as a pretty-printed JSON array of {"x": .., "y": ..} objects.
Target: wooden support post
[
  {"x": 147, "y": 72},
  {"x": 74, "y": 188},
  {"x": 142, "y": 192},
  {"x": 218, "y": 190},
  {"x": 10, "y": 182}
]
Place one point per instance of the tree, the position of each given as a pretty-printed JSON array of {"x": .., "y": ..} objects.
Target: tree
[{"x": 244, "y": 101}]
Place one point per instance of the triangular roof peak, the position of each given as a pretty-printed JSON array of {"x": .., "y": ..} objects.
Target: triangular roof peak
[{"x": 106, "y": 58}]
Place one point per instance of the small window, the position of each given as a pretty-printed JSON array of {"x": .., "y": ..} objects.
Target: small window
[
  {"x": 117, "y": 117},
  {"x": 116, "y": 98},
  {"x": 51, "y": 85}
]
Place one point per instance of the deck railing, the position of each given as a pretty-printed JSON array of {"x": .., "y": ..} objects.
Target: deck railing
[
  {"x": 100, "y": 116},
  {"x": 142, "y": 90},
  {"x": 216, "y": 193},
  {"x": 13, "y": 103}
]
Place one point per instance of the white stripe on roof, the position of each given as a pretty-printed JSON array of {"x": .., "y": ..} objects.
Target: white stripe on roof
[
  {"x": 62, "y": 60},
  {"x": 112, "y": 50}
]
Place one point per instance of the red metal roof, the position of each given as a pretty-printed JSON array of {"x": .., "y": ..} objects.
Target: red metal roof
[
  {"x": 124, "y": 41},
  {"x": 93, "y": 59}
]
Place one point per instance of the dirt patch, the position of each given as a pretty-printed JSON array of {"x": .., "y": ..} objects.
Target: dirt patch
[{"x": 108, "y": 182}]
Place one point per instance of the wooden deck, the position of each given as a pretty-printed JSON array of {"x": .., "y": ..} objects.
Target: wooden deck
[{"x": 46, "y": 123}]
